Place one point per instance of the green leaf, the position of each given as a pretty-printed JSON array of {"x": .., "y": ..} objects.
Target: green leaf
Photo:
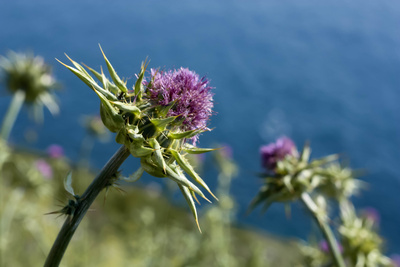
[
  {"x": 126, "y": 107},
  {"x": 161, "y": 124},
  {"x": 118, "y": 82},
  {"x": 106, "y": 83},
  {"x": 88, "y": 80},
  {"x": 189, "y": 199},
  {"x": 196, "y": 150},
  {"x": 139, "y": 151},
  {"x": 305, "y": 155},
  {"x": 181, "y": 179},
  {"x": 68, "y": 184},
  {"x": 187, "y": 134},
  {"x": 158, "y": 156},
  {"x": 163, "y": 110},
  {"x": 151, "y": 168},
  {"x": 80, "y": 68},
  {"x": 139, "y": 81},
  {"x": 111, "y": 119},
  {"x": 185, "y": 165}
]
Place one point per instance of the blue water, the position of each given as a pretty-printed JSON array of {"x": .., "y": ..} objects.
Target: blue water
[{"x": 327, "y": 72}]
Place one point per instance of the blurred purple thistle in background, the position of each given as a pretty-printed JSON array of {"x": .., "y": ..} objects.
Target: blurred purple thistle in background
[
  {"x": 44, "y": 168},
  {"x": 274, "y": 152},
  {"x": 395, "y": 260},
  {"x": 55, "y": 151}
]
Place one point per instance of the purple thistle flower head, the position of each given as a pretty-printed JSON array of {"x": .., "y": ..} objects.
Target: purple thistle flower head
[
  {"x": 274, "y": 152},
  {"x": 44, "y": 168},
  {"x": 395, "y": 260},
  {"x": 55, "y": 151},
  {"x": 190, "y": 94}
]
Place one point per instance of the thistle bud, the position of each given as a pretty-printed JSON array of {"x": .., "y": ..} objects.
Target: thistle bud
[
  {"x": 31, "y": 75},
  {"x": 156, "y": 119}
]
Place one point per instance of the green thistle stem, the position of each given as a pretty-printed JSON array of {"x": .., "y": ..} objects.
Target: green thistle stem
[
  {"x": 326, "y": 230},
  {"x": 71, "y": 223},
  {"x": 12, "y": 113}
]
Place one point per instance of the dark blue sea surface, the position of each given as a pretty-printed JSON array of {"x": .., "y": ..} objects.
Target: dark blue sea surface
[{"x": 323, "y": 71}]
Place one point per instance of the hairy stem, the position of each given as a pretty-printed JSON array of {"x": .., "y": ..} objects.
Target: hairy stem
[
  {"x": 326, "y": 230},
  {"x": 83, "y": 203},
  {"x": 12, "y": 113}
]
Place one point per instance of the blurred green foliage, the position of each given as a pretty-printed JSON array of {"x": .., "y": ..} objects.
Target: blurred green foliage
[{"x": 139, "y": 227}]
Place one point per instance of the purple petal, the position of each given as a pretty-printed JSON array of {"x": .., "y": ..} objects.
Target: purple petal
[{"x": 192, "y": 96}]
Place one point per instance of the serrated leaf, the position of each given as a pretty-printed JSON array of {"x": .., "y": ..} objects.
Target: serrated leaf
[
  {"x": 118, "y": 82},
  {"x": 185, "y": 165},
  {"x": 68, "y": 184},
  {"x": 189, "y": 199}
]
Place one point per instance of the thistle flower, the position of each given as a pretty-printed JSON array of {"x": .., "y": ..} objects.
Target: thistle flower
[
  {"x": 44, "y": 168},
  {"x": 274, "y": 152},
  {"x": 189, "y": 96},
  {"x": 55, "y": 151},
  {"x": 155, "y": 119},
  {"x": 395, "y": 260},
  {"x": 30, "y": 74},
  {"x": 359, "y": 238}
]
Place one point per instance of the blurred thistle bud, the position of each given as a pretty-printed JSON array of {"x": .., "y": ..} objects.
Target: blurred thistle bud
[
  {"x": 372, "y": 215},
  {"x": 156, "y": 119},
  {"x": 312, "y": 256},
  {"x": 339, "y": 182},
  {"x": 274, "y": 152},
  {"x": 361, "y": 243},
  {"x": 292, "y": 173},
  {"x": 31, "y": 75}
]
